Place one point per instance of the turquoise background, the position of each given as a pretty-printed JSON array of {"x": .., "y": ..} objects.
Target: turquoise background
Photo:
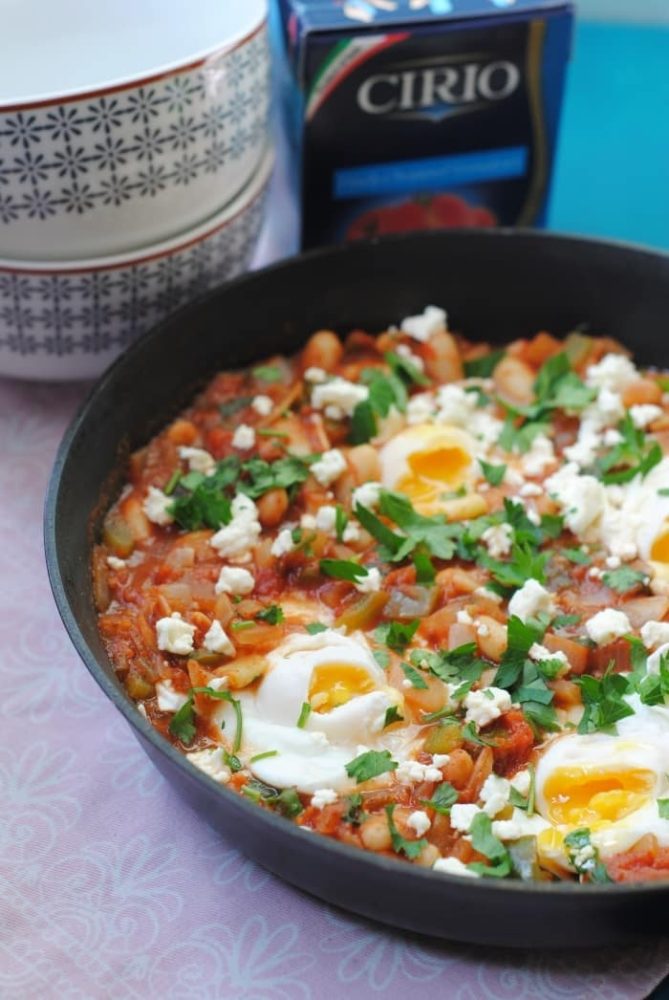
[{"x": 612, "y": 172}]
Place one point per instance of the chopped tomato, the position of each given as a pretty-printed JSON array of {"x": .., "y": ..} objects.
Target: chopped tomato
[{"x": 512, "y": 739}]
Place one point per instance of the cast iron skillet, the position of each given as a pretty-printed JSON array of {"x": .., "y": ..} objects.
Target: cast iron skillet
[{"x": 495, "y": 285}]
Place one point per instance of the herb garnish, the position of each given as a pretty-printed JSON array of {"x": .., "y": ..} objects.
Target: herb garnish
[{"x": 370, "y": 764}]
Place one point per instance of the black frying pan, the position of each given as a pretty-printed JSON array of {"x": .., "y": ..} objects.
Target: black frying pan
[{"x": 495, "y": 285}]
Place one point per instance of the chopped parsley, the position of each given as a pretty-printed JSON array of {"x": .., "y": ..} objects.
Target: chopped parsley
[
  {"x": 264, "y": 756},
  {"x": 409, "y": 848},
  {"x": 267, "y": 373},
  {"x": 354, "y": 812},
  {"x": 484, "y": 841},
  {"x": 396, "y": 635},
  {"x": 405, "y": 369},
  {"x": 341, "y": 521},
  {"x": 584, "y": 856},
  {"x": 385, "y": 391},
  {"x": 343, "y": 569},
  {"x": 484, "y": 366},
  {"x": 315, "y": 628},
  {"x": 443, "y": 798},
  {"x": 663, "y": 808},
  {"x": 494, "y": 474},
  {"x": 303, "y": 717},
  {"x": 286, "y": 802},
  {"x": 624, "y": 579},
  {"x": 273, "y": 614},
  {"x": 392, "y": 715},
  {"x": 603, "y": 701},
  {"x": 182, "y": 724},
  {"x": 370, "y": 765},
  {"x": 232, "y": 761},
  {"x": 634, "y": 456},
  {"x": 414, "y": 677},
  {"x": 232, "y": 406},
  {"x": 577, "y": 556}
]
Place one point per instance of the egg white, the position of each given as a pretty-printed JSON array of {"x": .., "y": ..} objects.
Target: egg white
[
  {"x": 641, "y": 745},
  {"x": 316, "y": 755},
  {"x": 423, "y": 443}
]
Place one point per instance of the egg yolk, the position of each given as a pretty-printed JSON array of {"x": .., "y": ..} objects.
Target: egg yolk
[
  {"x": 431, "y": 471},
  {"x": 660, "y": 549},
  {"x": 578, "y": 797},
  {"x": 333, "y": 684}
]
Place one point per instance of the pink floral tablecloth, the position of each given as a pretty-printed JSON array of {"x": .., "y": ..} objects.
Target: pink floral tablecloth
[{"x": 111, "y": 887}]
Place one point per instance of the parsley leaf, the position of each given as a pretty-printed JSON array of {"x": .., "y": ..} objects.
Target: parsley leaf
[
  {"x": 385, "y": 391},
  {"x": 433, "y": 532},
  {"x": 206, "y": 505},
  {"x": 524, "y": 563},
  {"x": 267, "y": 373},
  {"x": 494, "y": 474},
  {"x": 273, "y": 615},
  {"x": 416, "y": 679},
  {"x": 370, "y": 765},
  {"x": 584, "y": 856},
  {"x": 443, "y": 798},
  {"x": 406, "y": 369},
  {"x": 363, "y": 423},
  {"x": 263, "y": 476},
  {"x": 182, "y": 723},
  {"x": 520, "y": 637},
  {"x": 577, "y": 556},
  {"x": 634, "y": 455},
  {"x": 232, "y": 406},
  {"x": 409, "y": 848},
  {"x": 341, "y": 521},
  {"x": 663, "y": 808},
  {"x": 603, "y": 701},
  {"x": 343, "y": 569},
  {"x": 624, "y": 579},
  {"x": 484, "y": 366},
  {"x": 354, "y": 813},
  {"x": 396, "y": 635},
  {"x": 303, "y": 717},
  {"x": 314, "y": 628},
  {"x": 394, "y": 547},
  {"x": 489, "y": 846},
  {"x": 425, "y": 571},
  {"x": 392, "y": 715}
]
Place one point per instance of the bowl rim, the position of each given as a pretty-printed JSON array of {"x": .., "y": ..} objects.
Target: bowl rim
[
  {"x": 330, "y": 848},
  {"x": 182, "y": 241},
  {"x": 195, "y": 61}
]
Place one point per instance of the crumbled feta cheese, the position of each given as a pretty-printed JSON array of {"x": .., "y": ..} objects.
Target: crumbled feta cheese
[
  {"x": 612, "y": 437},
  {"x": 453, "y": 866},
  {"x": 174, "y": 635},
  {"x": 581, "y": 498},
  {"x": 537, "y": 652},
  {"x": 368, "y": 495},
  {"x": 514, "y": 479},
  {"x": 595, "y": 572},
  {"x": 495, "y": 794},
  {"x": 198, "y": 460},
  {"x": 530, "y": 600},
  {"x": 482, "y": 629},
  {"x": 612, "y": 562},
  {"x": 522, "y": 782},
  {"x": 283, "y": 543},
  {"x": 462, "y": 816},
  {"x": 315, "y": 374},
  {"x": 371, "y": 583},
  {"x": 654, "y": 634},
  {"x": 520, "y": 825},
  {"x": 410, "y": 772},
  {"x": 234, "y": 580},
  {"x": 464, "y": 618},
  {"x": 326, "y": 521},
  {"x": 539, "y": 457},
  {"x": 490, "y": 595},
  {"x": 308, "y": 522},
  {"x": 498, "y": 539},
  {"x": 615, "y": 372},
  {"x": 607, "y": 625},
  {"x": 217, "y": 640},
  {"x": 211, "y": 762},
  {"x": 244, "y": 437},
  {"x": 405, "y": 352},
  {"x": 531, "y": 490},
  {"x": 237, "y": 537},
  {"x": 115, "y": 563},
  {"x": 338, "y": 397},
  {"x": 440, "y": 759},
  {"x": 167, "y": 698},
  {"x": 432, "y": 320},
  {"x": 263, "y": 405},
  {"x": 644, "y": 414},
  {"x": 323, "y": 797},
  {"x": 486, "y": 705},
  {"x": 459, "y": 407},
  {"x": 420, "y": 408},
  {"x": 654, "y": 660},
  {"x": 155, "y": 506},
  {"x": 419, "y": 822},
  {"x": 329, "y": 467}
]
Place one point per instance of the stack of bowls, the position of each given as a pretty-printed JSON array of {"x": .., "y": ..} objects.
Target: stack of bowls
[{"x": 134, "y": 164}]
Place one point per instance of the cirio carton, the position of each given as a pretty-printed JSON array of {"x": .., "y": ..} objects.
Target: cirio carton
[{"x": 421, "y": 114}]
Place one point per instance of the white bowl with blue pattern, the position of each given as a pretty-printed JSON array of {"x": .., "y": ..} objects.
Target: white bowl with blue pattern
[
  {"x": 125, "y": 123},
  {"x": 62, "y": 321}
]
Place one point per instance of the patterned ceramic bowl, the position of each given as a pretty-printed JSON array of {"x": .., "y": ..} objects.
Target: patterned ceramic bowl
[
  {"x": 70, "y": 320},
  {"x": 124, "y": 123}
]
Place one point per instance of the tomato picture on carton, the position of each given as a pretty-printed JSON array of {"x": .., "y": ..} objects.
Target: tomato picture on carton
[
  {"x": 425, "y": 114},
  {"x": 439, "y": 211}
]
